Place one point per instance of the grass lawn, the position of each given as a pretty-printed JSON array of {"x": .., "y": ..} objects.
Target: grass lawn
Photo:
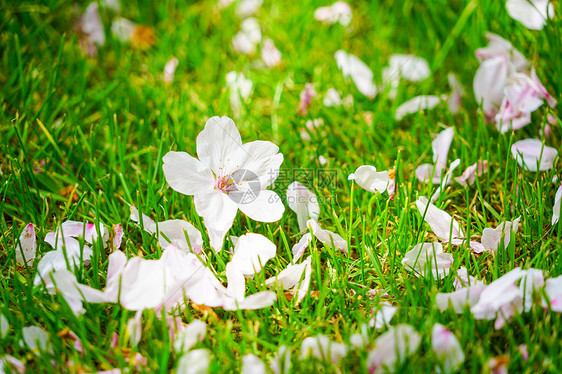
[{"x": 84, "y": 128}]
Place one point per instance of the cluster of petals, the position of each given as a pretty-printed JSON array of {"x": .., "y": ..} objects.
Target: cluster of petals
[{"x": 506, "y": 86}]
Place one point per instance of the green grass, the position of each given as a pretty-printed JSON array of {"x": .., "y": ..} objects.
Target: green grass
[{"x": 102, "y": 124}]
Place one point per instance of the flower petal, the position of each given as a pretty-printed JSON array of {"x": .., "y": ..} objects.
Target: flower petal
[{"x": 185, "y": 174}]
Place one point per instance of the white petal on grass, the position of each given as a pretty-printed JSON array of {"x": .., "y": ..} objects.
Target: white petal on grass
[
  {"x": 339, "y": 12},
  {"x": 123, "y": 29},
  {"x": 26, "y": 249},
  {"x": 447, "y": 349},
  {"x": 416, "y": 104},
  {"x": 247, "y": 8},
  {"x": 251, "y": 364},
  {"x": 190, "y": 335},
  {"x": 332, "y": 98},
  {"x": 351, "y": 66},
  {"x": 553, "y": 292},
  {"x": 530, "y": 152},
  {"x": 299, "y": 247},
  {"x": 556, "y": 207},
  {"x": 4, "y": 326},
  {"x": 393, "y": 346},
  {"x": 170, "y": 70},
  {"x": 410, "y": 67},
  {"x": 91, "y": 24},
  {"x": 368, "y": 178},
  {"x": 281, "y": 362},
  {"x": 251, "y": 252},
  {"x": 460, "y": 299},
  {"x": 441, "y": 223},
  {"x": 321, "y": 347},
  {"x": 383, "y": 316},
  {"x": 533, "y": 14},
  {"x": 428, "y": 256},
  {"x": 303, "y": 202},
  {"x": 531, "y": 283},
  {"x": 196, "y": 361},
  {"x": 297, "y": 276},
  {"x": 327, "y": 237},
  {"x": 270, "y": 55},
  {"x": 36, "y": 339},
  {"x": 491, "y": 238}
]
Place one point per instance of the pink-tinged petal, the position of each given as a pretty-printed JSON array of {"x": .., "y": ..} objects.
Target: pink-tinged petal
[
  {"x": 91, "y": 25},
  {"x": 217, "y": 142},
  {"x": 134, "y": 329},
  {"x": 499, "y": 47},
  {"x": 301, "y": 246},
  {"x": 303, "y": 202},
  {"x": 185, "y": 174},
  {"x": 497, "y": 365},
  {"x": 501, "y": 298},
  {"x": 533, "y": 14},
  {"x": 460, "y": 299},
  {"x": 416, "y": 104},
  {"x": 321, "y": 347},
  {"x": 218, "y": 212},
  {"x": 182, "y": 234},
  {"x": 428, "y": 256},
  {"x": 13, "y": 363},
  {"x": 27, "y": 246},
  {"x": 65, "y": 283},
  {"x": 190, "y": 335},
  {"x": 196, "y": 361},
  {"x": 396, "y": 344},
  {"x": 358, "y": 71},
  {"x": 465, "y": 280},
  {"x": 489, "y": 82},
  {"x": 383, "y": 316},
  {"x": 524, "y": 352},
  {"x": 307, "y": 94},
  {"x": 530, "y": 152},
  {"x": 297, "y": 276},
  {"x": 447, "y": 349},
  {"x": 446, "y": 180},
  {"x": 441, "y": 223},
  {"x": 553, "y": 292},
  {"x": 143, "y": 284},
  {"x": 427, "y": 172},
  {"x": 469, "y": 175},
  {"x": 542, "y": 92},
  {"x": 368, "y": 178},
  {"x": 251, "y": 252},
  {"x": 266, "y": 207},
  {"x": 148, "y": 223},
  {"x": 556, "y": 207},
  {"x": 251, "y": 364},
  {"x": 118, "y": 238},
  {"x": 327, "y": 237}
]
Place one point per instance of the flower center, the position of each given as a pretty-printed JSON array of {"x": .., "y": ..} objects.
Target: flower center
[{"x": 226, "y": 184}]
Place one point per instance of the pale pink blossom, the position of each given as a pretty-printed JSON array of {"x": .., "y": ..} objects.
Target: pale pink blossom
[
  {"x": 248, "y": 37},
  {"x": 447, "y": 349},
  {"x": 460, "y": 299},
  {"x": 134, "y": 329},
  {"x": 530, "y": 152},
  {"x": 553, "y": 292},
  {"x": 296, "y": 277},
  {"x": 91, "y": 25},
  {"x": 239, "y": 88},
  {"x": 332, "y": 98},
  {"x": 457, "y": 92},
  {"x": 307, "y": 94},
  {"x": 299, "y": 247},
  {"x": 440, "y": 147},
  {"x": 531, "y": 283},
  {"x": 118, "y": 236},
  {"x": 228, "y": 176}
]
